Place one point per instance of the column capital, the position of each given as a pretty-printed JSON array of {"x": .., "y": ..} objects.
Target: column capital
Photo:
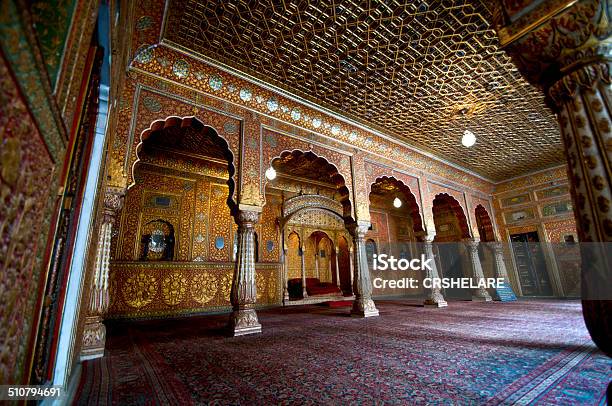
[
  {"x": 247, "y": 218},
  {"x": 113, "y": 203},
  {"x": 560, "y": 46},
  {"x": 472, "y": 243},
  {"x": 359, "y": 228}
]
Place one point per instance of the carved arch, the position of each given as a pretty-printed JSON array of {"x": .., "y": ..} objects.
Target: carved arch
[
  {"x": 415, "y": 211},
  {"x": 195, "y": 123},
  {"x": 442, "y": 198},
  {"x": 484, "y": 224},
  {"x": 336, "y": 177}
]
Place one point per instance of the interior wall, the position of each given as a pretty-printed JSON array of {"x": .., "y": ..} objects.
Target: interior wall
[
  {"x": 199, "y": 278},
  {"x": 541, "y": 203}
]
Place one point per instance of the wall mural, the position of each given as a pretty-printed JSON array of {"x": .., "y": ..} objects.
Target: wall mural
[{"x": 27, "y": 186}]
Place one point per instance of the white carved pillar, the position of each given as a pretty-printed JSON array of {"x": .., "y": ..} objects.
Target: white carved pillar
[
  {"x": 352, "y": 273},
  {"x": 433, "y": 296},
  {"x": 285, "y": 262},
  {"x": 243, "y": 319},
  {"x": 94, "y": 332},
  {"x": 337, "y": 251},
  {"x": 316, "y": 256},
  {"x": 478, "y": 294},
  {"x": 304, "y": 293},
  {"x": 363, "y": 305},
  {"x": 505, "y": 293}
]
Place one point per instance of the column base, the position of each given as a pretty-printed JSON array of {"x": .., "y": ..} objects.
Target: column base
[
  {"x": 481, "y": 295},
  {"x": 94, "y": 338},
  {"x": 364, "y": 308},
  {"x": 435, "y": 299},
  {"x": 304, "y": 294},
  {"x": 243, "y": 322},
  {"x": 435, "y": 303}
]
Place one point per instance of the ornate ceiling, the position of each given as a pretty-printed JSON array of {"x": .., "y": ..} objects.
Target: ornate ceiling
[
  {"x": 307, "y": 166},
  {"x": 422, "y": 71},
  {"x": 199, "y": 142}
]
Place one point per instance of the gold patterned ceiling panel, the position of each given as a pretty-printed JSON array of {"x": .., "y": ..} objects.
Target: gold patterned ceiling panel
[{"x": 424, "y": 71}]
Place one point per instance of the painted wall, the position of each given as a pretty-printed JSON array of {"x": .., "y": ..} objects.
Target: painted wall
[
  {"x": 36, "y": 126},
  {"x": 541, "y": 203}
]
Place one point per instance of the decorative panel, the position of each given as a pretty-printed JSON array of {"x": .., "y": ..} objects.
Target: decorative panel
[
  {"x": 515, "y": 200},
  {"x": 159, "y": 289},
  {"x": 201, "y": 219},
  {"x": 553, "y": 192},
  {"x": 519, "y": 215},
  {"x": 554, "y": 209},
  {"x": 27, "y": 187},
  {"x": 220, "y": 225}
]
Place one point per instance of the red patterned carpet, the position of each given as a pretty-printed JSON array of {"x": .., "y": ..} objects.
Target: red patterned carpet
[{"x": 526, "y": 352}]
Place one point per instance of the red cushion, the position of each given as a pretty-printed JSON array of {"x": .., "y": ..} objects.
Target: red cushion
[{"x": 314, "y": 286}]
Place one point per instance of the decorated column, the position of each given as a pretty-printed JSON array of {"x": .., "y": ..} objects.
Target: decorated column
[
  {"x": 337, "y": 251},
  {"x": 433, "y": 297},
  {"x": 363, "y": 305},
  {"x": 284, "y": 260},
  {"x": 94, "y": 332},
  {"x": 243, "y": 319},
  {"x": 316, "y": 258},
  {"x": 505, "y": 292},
  {"x": 478, "y": 294},
  {"x": 304, "y": 293},
  {"x": 351, "y": 266},
  {"x": 564, "y": 48}
]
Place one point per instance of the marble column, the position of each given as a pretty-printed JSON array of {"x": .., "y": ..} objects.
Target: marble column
[
  {"x": 433, "y": 296},
  {"x": 285, "y": 263},
  {"x": 478, "y": 294},
  {"x": 564, "y": 48},
  {"x": 505, "y": 293},
  {"x": 304, "y": 293},
  {"x": 363, "y": 305},
  {"x": 316, "y": 257},
  {"x": 94, "y": 332},
  {"x": 243, "y": 319},
  {"x": 337, "y": 251}
]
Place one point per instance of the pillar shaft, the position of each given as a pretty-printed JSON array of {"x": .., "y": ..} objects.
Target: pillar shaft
[
  {"x": 337, "y": 270},
  {"x": 94, "y": 331},
  {"x": 568, "y": 55},
  {"x": 433, "y": 296},
  {"x": 478, "y": 294},
  {"x": 284, "y": 261},
  {"x": 363, "y": 305},
  {"x": 304, "y": 293},
  {"x": 351, "y": 267},
  {"x": 243, "y": 319}
]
